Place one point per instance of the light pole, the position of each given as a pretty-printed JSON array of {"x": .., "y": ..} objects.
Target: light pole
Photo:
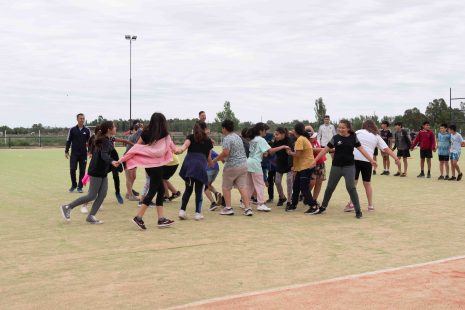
[{"x": 130, "y": 38}]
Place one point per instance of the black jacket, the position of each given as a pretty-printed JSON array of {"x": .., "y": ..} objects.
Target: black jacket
[
  {"x": 77, "y": 140},
  {"x": 100, "y": 164}
]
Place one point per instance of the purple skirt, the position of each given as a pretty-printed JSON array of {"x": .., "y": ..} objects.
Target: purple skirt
[{"x": 194, "y": 167}]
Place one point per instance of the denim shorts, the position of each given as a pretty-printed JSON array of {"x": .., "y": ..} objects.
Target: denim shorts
[{"x": 455, "y": 156}]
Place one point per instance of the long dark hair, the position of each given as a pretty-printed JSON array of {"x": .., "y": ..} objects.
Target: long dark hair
[
  {"x": 348, "y": 125},
  {"x": 100, "y": 134},
  {"x": 157, "y": 128},
  {"x": 370, "y": 126},
  {"x": 255, "y": 130},
  {"x": 299, "y": 129},
  {"x": 199, "y": 132}
]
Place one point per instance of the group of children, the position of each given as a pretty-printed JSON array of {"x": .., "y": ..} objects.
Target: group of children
[{"x": 252, "y": 162}]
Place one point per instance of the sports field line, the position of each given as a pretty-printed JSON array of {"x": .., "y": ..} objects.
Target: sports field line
[{"x": 297, "y": 286}]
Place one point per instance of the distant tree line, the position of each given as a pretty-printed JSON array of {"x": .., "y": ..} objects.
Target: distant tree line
[{"x": 437, "y": 112}]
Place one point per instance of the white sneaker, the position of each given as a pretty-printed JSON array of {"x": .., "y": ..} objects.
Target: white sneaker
[
  {"x": 263, "y": 208},
  {"x": 182, "y": 215},
  {"x": 84, "y": 210},
  {"x": 248, "y": 212},
  {"x": 198, "y": 216},
  {"x": 227, "y": 211}
]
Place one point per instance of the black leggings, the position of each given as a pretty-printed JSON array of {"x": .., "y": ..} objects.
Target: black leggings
[
  {"x": 190, "y": 185},
  {"x": 156, "y": 186},
  {"x": 271, "y": 181},
  {"x": 116, "y": 180}
]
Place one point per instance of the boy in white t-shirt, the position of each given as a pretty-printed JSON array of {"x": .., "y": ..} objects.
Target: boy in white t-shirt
[{"x": 455, "y": 150}]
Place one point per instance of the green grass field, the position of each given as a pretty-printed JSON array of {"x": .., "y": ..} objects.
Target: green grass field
[{"x": 46, "y": 263}]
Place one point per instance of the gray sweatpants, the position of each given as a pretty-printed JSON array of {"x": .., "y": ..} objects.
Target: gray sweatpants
[
  {"x": 98, "y": 189},
  {"x": 348, "y": 172},
  {"x": 279, "y": 184}
]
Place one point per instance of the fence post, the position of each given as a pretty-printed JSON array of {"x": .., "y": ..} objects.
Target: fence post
[
  {"x": 9, "y": 142},
  {"x": 40, "y": 139}
]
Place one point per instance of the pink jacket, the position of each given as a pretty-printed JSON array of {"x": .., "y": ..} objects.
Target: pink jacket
[{"x": 148, "y": 156}]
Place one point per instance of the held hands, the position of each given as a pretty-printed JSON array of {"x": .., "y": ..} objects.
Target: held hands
[{"x": 115, "y": 163}]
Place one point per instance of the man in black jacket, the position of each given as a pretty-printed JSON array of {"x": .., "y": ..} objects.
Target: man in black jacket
[{"x": 78, "y": 137}]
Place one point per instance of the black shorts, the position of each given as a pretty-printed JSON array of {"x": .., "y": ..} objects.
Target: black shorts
[
  {"x": 363, "y": 167},
  {"x": 375, "y": 153},
  {"x": 169, "y": 171},
  {"x": 403, "y": 153},
  {"x": 426, "y": 154},
  {"x": 443, "y": 157}
]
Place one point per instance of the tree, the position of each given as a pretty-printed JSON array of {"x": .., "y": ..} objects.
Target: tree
[
  {"x": 413, "y": 119},
  {"x": 320, "y": 110},
  {"x": 227, "y": 113},
  {"x": 437, "y": 112}
]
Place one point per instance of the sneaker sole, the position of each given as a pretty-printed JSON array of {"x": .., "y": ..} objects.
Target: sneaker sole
[
  {"x": 263, "y": 210},
  {"x": 182, "y": 218},
  {"x": 164, "y": 225},
  {"x": 250, "y": 214},
  {"x": 227, "y": 214},
  {"x": 63, "y": 214},
  {"x": 349, "y": 210},
  {"x": 132, "y": 220},
  {"x": 95, "y": 223}
]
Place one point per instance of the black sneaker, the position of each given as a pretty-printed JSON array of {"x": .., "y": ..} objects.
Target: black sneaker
[
  {"x": 459, "y": 177},
  {"x": 428, "y": 176},
  {"x": 135, "y": 193},
  {"x": 397, "y": 174},
  {"x": 269, "y": 200},
  {"x": 164, "y": 222},
  {"x": 441, "y": 177},
  {"x": 290, "y": 207},
  {"x": 213, "y": 207},
  {"x": 72, "y": 189},
  {"x": 446, "y": 178},
  {"x": 79, "y": 190},
  {"x": 374, "y": 172},
  {"x": 421, "y": 175},
  {"x": 91, "y": 219},
  {"x": 452, "y": 178},
  {"x": 359, "y": 215},
  {"x": 175, "y": 195},
  {"x": 139, "y": 223},
  {"x": 66, "y": 213},
  {"x": 281, "y": 201},
  {"x": 312, "y": 210},
  {"x": 387, "y": 173},
  {"x": 321, "y": 210},
  {"x": 166, "y": 199}
]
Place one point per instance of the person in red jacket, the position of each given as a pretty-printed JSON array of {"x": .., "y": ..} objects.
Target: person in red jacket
[{"x": 425, "y": 138}]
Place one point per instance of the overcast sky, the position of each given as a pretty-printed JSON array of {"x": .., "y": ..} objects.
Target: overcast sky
[{"x": 270, "y": 59}]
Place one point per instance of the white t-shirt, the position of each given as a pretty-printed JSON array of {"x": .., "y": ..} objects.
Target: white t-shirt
[
  {"x": 325, "y": 134},
  {"x": 369, "y": 142}
]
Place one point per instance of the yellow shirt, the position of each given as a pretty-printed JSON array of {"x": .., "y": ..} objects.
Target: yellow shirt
[
  {"x": 174, "y": 162},
  {"x": 306, "y": 158}
]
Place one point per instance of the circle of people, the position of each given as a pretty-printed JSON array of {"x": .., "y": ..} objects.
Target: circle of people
[{"x": 252, "y": 161}]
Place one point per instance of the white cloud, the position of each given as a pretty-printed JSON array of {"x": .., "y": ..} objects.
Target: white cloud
[{"x": 271, "y": 59}]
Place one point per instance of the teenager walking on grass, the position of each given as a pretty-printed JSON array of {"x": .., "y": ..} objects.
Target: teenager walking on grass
[
  {"x": 153, "y": 150},
  {"x": 443, "y": 147},
  {"x": 303, "y": 164},
  {"x": 386, "y": 135},
  {"x": 370, "y": 139},
  {"x": 402, "y": 144},
  {"x": 425, "y": 139},
  {"x": 193, "y": 170},
  {"x": 235, "y": 168},
  {"x": 283, "y": 164},
  {"x": 343, "y": 165},
  {"x": 100, "y": 165},
  {"x": 455, "y": 150}
]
